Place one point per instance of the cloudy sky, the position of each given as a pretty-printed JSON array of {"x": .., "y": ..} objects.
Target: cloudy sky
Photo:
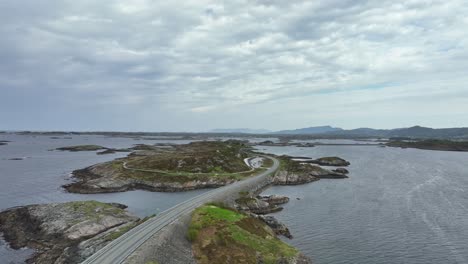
[{"x": 196, "y": 65}]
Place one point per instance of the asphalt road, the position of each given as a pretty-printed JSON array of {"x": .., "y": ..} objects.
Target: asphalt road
[{"x": 118, "y": 250}]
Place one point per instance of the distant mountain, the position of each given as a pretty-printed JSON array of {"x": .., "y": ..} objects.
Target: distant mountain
[
  {"x": 310, "y": 130},
  {"x": 426, "y": 132},
  {"x": 240, "y": 130},
  {"x": 328, "y": 131},
  {"x": 410, "y": 132}
]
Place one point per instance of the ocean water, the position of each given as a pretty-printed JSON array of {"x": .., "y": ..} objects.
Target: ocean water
[
  {"x": 398, "y": 206},
  {"x": 39, "y": 176}
]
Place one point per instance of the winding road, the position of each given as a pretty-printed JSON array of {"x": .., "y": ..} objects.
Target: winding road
[{"x": 119, "y": 249}]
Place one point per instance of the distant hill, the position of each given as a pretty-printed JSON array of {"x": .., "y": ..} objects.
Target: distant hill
[
  {"x": 335, "y": 132},
  {"x": 410, "y": 132},
  {"x": 426, "y": 132},
  {"x": 310, "y": 130},
  {"x": 240, "y": 130}
]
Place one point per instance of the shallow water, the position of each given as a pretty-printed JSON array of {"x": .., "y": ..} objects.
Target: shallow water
[{"x": 398, "y": 206}]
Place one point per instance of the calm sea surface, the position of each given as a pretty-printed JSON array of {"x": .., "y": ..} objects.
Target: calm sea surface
[
  {"x": 398, "y": 206},
  {"x": 39, "y": 177}
]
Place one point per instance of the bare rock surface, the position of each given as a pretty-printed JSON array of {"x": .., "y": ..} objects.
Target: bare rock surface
[
  {"x": 277, "y": 226},
  {"x": 341, "y": 170},
  {"x": 274, "y": 199},
  {"x": 64, "y": 232},
  {"x": 256, "y": 206}
]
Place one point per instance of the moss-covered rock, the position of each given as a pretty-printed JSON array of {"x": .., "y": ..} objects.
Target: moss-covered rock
[{"x": 223, "y": 235}]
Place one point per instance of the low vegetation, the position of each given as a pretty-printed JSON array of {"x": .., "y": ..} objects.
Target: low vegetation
[
  {"x": 196, "y": 157},
  {"x": 292, "y": 166},
  {"x": 223, "y": 235},
  {"x": 191, "y": 166},
  {"x": 92, "y": 210}
]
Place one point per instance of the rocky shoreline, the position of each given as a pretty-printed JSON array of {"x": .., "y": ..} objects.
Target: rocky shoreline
[
  {"x": 64, "y": 232},
  {"x": 91, "y": 180},
  {"x": 219, "y": 233},
  {"x": 168, "y": 168},
  {"x": 294, "y": 172},
  {"x": 71, "y": 232},
  {"x": 291, "y": 172},
  {"x": 259, "y": 206}
]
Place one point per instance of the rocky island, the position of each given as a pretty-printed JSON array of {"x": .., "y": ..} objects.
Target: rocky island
[
  {"x": 103, "y": 150},
  {"x": 224, "y": 235},
  {"x": 82, "y": 148},
  {"x": 284, "y": 143},
  {"x": 293, "y": 172},
  {"x": 330, "y": 161},
  {"x": 204, "y": 164},
  {"x": 64, "y": 232},
  {"x": 260, "y": 204}
]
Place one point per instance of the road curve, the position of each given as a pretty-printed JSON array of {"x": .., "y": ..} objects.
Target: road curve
[{"x": 119, "y": 249}]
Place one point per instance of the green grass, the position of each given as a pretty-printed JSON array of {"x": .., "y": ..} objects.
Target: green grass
[
  {"x": 197, "y": 161},
  {"x": 269, "y": 247},
  {"x": 217, "y": 232},
  {"x": 178, "y": 176},
  {"x": 209, "y": 215}
]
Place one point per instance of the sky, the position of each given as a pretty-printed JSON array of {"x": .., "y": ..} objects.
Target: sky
[{"x": 197, "y": 65}]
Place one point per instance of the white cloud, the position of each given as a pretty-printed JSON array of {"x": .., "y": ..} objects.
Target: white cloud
[{"x": 239, "y": 57}]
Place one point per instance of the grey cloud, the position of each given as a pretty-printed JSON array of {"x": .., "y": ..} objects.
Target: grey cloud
[{"x": 201, "y": 62}]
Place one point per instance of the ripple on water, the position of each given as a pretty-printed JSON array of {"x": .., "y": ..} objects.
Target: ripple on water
[{"x": 398, "y": 206}]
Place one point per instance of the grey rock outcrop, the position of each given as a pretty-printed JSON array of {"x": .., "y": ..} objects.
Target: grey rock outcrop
[
  {"x": 341, "y": 170},
  {"x": 256, "y": 206},
  {"x": 274, "y": 199},
  {"x": 277, "y": 226},
  {"x": 330, "y": 161},
  {"x": 307, "y": 173},
  {"x": 283, "y": 177},
  {"x": 96, "y": 179},
  {"x": 66, "y": 232}
]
